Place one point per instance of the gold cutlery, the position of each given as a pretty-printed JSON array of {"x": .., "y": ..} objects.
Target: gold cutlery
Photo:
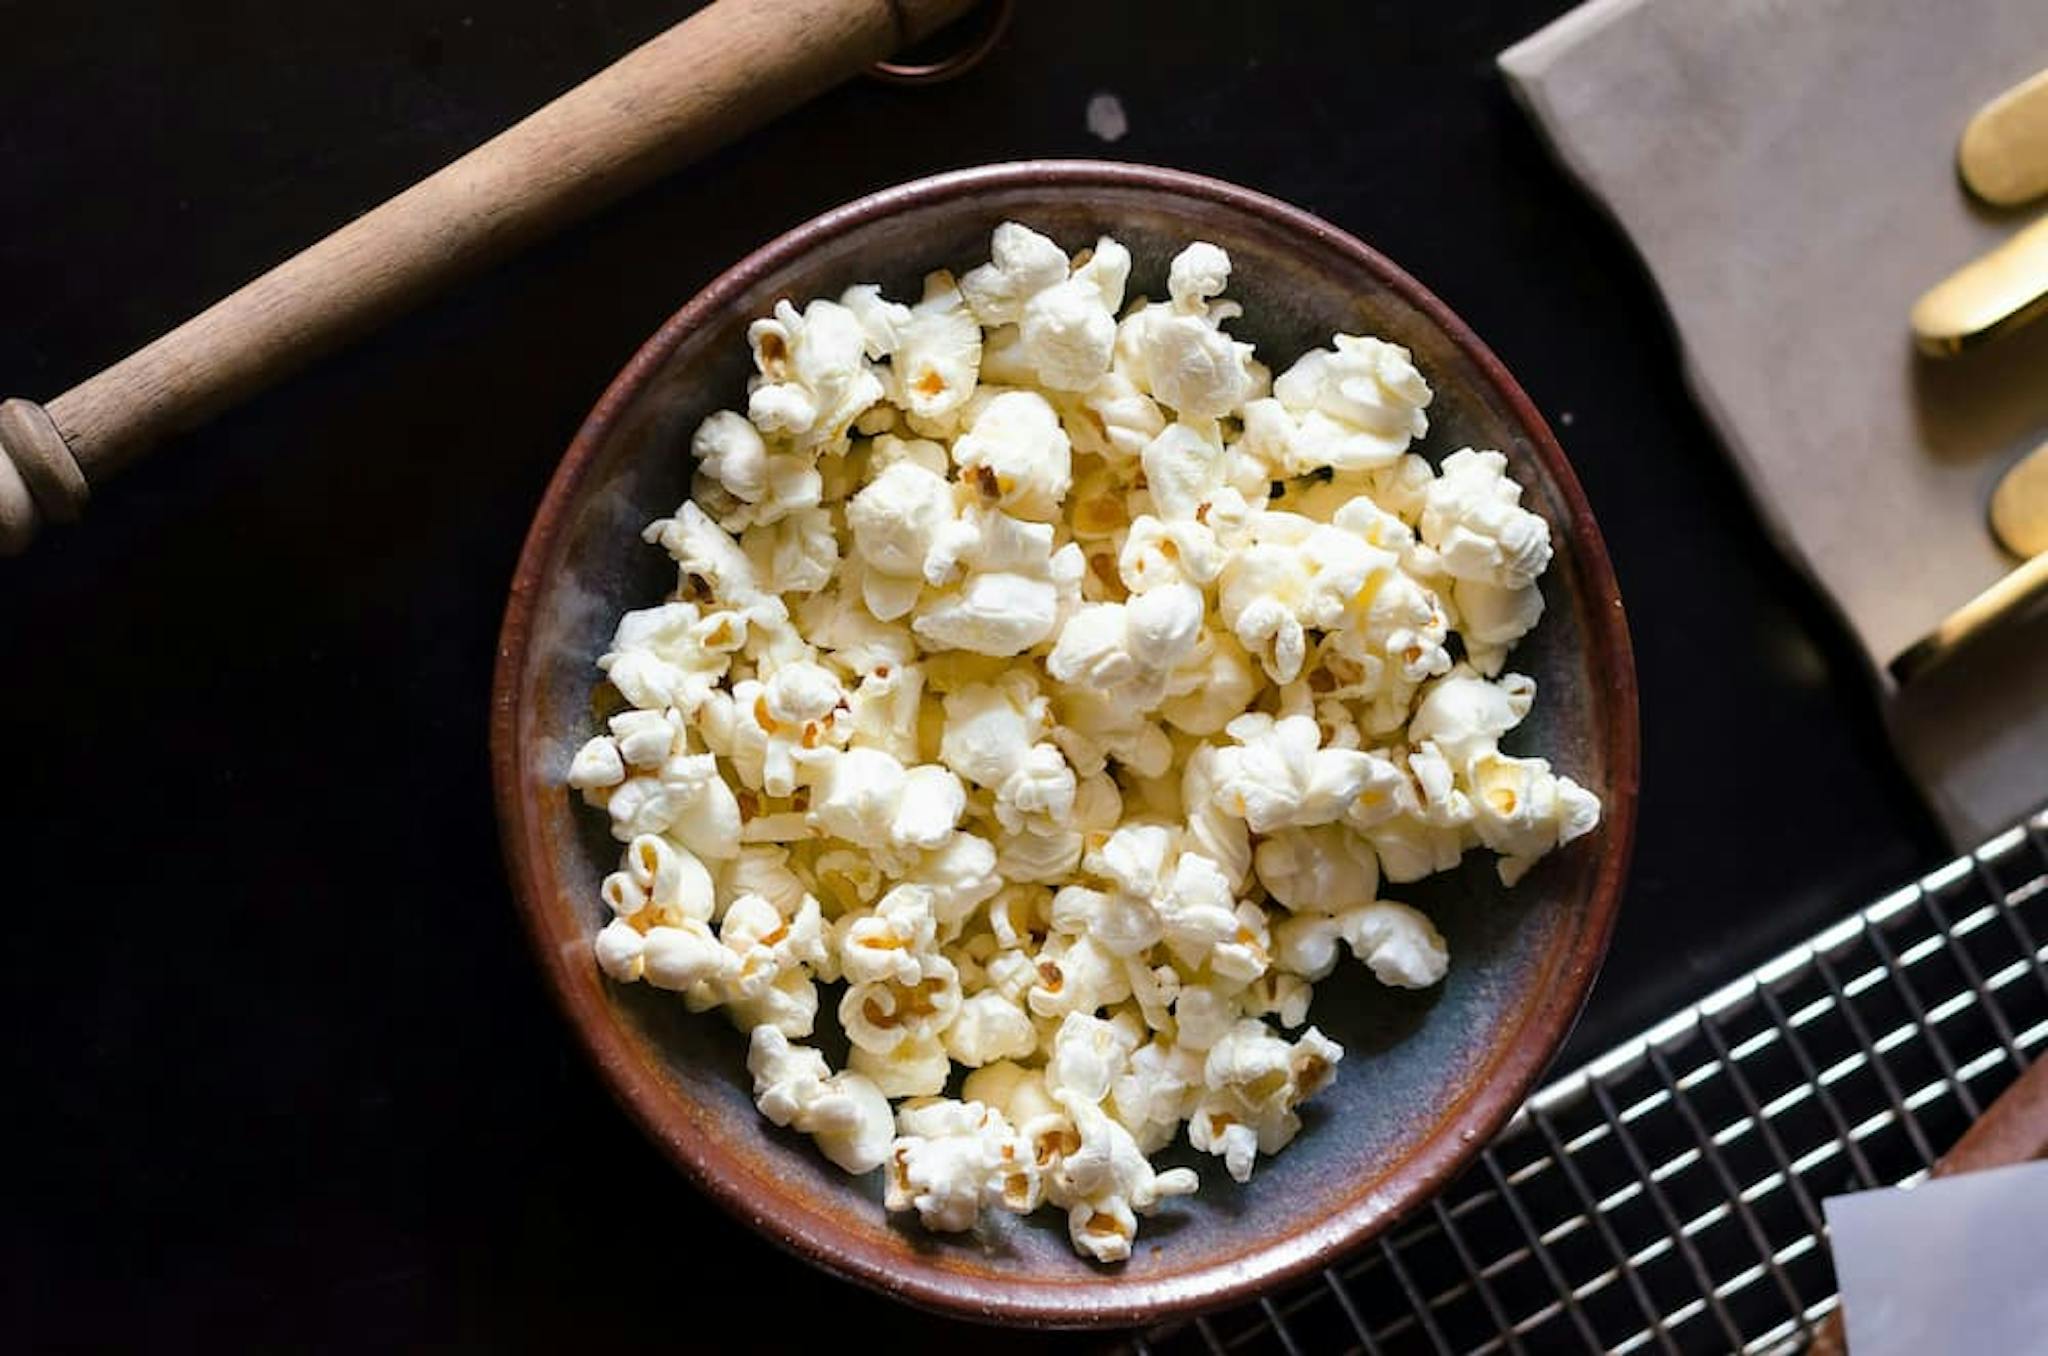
[
  {"x": 2003, "y": 157},
  {"x": 1991, "y": 295},
  {"x": 2019, "y": 519},
  {"x": 2019, "y": 506}
]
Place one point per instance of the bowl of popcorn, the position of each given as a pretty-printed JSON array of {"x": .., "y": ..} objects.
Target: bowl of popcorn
[{"x": 1067, "y": 740}]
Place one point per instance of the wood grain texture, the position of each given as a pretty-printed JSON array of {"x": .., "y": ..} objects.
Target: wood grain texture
[{"x": 694, "y": 88}]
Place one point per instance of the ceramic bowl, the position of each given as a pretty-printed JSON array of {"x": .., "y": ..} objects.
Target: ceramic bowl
[{"x": 1427, "y": 1077}]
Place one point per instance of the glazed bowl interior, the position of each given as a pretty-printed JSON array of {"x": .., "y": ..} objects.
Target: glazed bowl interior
[{"x": 1426, "y": 1076}]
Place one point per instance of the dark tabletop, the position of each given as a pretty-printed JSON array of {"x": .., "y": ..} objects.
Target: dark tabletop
[{"x": 279, "y": 1071}]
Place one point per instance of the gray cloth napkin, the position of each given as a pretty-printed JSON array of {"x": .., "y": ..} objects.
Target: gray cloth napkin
[{"x": 1786, "y": 169}]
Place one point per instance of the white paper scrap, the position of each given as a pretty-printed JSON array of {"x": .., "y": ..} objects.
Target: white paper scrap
[{"x": 1954, "y": 1264}]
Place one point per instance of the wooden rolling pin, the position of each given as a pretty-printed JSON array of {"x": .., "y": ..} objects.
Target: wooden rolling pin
[
  {"x": 726, "y": 69},
  {"x": 2013, "y": 1129}
]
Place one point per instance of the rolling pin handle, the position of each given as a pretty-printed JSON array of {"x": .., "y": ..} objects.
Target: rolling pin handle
[
  {"x": 727, "y": 68},
  {"x": 39, "y": 477}
]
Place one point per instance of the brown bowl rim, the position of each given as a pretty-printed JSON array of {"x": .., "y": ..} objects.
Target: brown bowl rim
[{"x": 1104, "y": 1298}]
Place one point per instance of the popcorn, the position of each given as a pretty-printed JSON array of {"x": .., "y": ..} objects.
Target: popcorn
[
  {"x": 870, "y": 799},
  {"x": 938, "y": 357},
  {"x": 1179, "y": 354},
  {"x": 880, "y": 1014},
  {"x": 797, "y": 553},
  {"x": 1011, "y": 597},
  {"x": 643, "y": 738},
  {"x": 1028, "y": 855},
  {"x": 1211, "y": 830},
  {"x": 1295, "y": 576},
  {"x": 1053, "y": 692},
  {"x": 813, "y": 378},
  {"x": 789, "y": 1004},
  {"x": 1184, "y": 466},
  {"x": 767, "y": 944},
  {"x": 1016, "y": 456},
  {"x": 1088, "y": 1056},
  {"x": 1019, "y": 917},
  {"x": 1357, "y": 405},
  {"x": 1465, "y": 715},
  {"x": 895, "y": 521},
  {"x": 1472, "y": 517},
  {"x": 1400, "y": 946},
  {"x": 763, "y": 871},
  {"x": 1156, "y": 1092},
  {"x": 1156, "y": 552},
  {"x": 1125, "y": 925},
  {"x": 672, "y": 655},
  {"x": 882, "y": 321},
  {"x": 1410, "y": 848},
  {"x": 1095, "y": 726},
  {"x": 1016, "y": 1093},
  {"x": 991, "y": 727},
  {"x": 1038, "y": 795},
  {"x": 1135, "y": 859},
  {"x": 1219, "y": 679},
  {"x": 732, "y": 453},
  {"x": 1067, "y": 332},
  {"x": 1253, "y": 1083},
  {"x": 1076, "y": 974},
  {"x": 1118, "y": 419},
  {"x": 950, "y": 1159},
  {"x": 771, "y": 738},
  {"x": 885, "y": 709},
  {"x": 1098, "y": 804},
  {"x": 1197, "y": 273},
  {"x": 1202, "y": 1014},
  {"x": 892, "y": 942},
  {"x": 1106, "y": 1182},
  {"x": 621, "y": 951},
  {"x": 990, "y": 1027},
  {"x": 687, "y": 799},
  {"x": 1325, "y": 869},
  {"x": 1128, "y": 651},
  {"x": 1279, "y": 994},
  {"x": 1492, "y": 619},
  {"x": 958, "y": 875},
  {"x": 1023, "y": 263},
  {"x": 1397, "y": 943},
  {"x": 1200, "y": 919},
  {"x": 1522, "y": 812},
  {"x": 670, "y": 879},
  {"x": 1279, "y": 775},
  {"x": 684, "y": 957},
  {"x": 791, "y": 483},
  {"x": 916, "y": 1066},
  {"x": 846, "y": 1113},
  {"x": 597, "y": 764}
]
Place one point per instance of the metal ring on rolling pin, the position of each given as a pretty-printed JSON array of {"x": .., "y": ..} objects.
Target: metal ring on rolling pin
[{"x": 978, "y": 45}]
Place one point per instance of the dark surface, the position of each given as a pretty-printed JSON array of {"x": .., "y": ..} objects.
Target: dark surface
[{"x": 279, "y": 1069}]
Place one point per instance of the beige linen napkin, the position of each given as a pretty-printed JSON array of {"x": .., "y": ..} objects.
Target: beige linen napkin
[{"x": 1786, "y": 170}]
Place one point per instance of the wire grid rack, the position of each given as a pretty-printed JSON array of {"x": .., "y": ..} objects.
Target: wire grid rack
[{"x": 1667, "y": 1196}]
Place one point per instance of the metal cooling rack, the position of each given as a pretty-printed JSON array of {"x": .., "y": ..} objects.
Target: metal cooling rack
[{"x": 1667, "y": 1195}]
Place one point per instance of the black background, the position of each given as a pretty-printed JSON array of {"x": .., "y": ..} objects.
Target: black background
[{"x": 278, "y": 1069}]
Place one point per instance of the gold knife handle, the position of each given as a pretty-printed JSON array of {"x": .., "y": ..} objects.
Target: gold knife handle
[
  {"x": 2003, "y": 156},
  {"x": 2006, "y": 599},
  {"x": 1986, "y": 297}
]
